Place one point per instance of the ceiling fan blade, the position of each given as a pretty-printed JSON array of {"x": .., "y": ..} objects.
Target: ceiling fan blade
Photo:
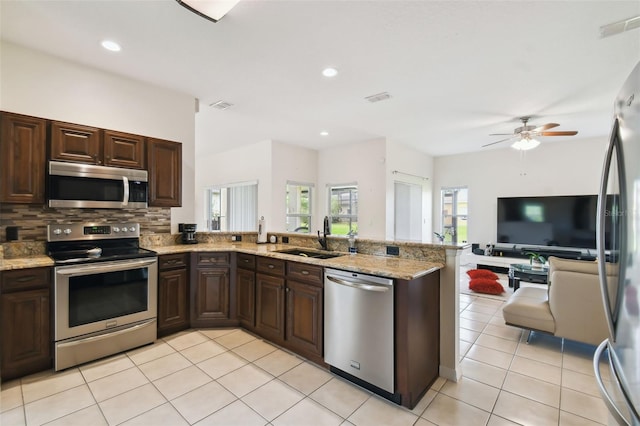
[
  {"x": 545, "y": 127},
  {"x": 559, "y": 133},
  {"x": 501, "y": 134},
  {"x": 501, "y": 140}
]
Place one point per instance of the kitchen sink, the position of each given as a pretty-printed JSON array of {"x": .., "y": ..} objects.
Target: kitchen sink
[{"x": 310, "y": 253}]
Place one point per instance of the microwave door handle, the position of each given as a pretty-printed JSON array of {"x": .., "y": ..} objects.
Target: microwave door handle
[
  {"x": 125, "y": 198},
  {"x": 600, "y": 231}
]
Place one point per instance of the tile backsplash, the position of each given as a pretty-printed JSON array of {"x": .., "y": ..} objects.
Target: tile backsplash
[{"x": 32, "y": 220}]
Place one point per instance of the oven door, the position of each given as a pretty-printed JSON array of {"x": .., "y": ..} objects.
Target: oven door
[{"x": 96, "y": 297}]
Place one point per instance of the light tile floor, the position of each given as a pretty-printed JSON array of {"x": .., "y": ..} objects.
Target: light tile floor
[{"x": 230, "y": 377}]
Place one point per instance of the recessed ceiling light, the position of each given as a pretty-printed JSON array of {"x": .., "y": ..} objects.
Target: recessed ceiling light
[
  {"x": 324, "y": 133},
  {"x": 329, "y": 72},
  {"x": 111, "y": 45}
]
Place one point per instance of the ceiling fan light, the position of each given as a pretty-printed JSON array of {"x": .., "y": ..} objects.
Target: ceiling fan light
[
  {"x": 212, "y": 10},
  {"x": 525, "y": 144}
]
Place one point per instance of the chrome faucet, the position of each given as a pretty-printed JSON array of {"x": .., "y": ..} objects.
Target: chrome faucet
[{"x": 326, "y": 231}]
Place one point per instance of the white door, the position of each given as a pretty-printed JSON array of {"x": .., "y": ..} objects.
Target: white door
[{"x": 408, "y": 212}]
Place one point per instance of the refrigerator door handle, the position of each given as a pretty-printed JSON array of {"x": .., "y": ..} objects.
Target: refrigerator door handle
[
  {"x": 600, "y": 231},
  {"x": 611, "y": 405}
]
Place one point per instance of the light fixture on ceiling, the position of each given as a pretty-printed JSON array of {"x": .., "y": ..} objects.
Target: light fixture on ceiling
[
  {"x": 213, "y": 10},
  {"x": 111, "y": 45},
  {"x": 525, "y": 144},
  {"x": 329, "y": 72},
  {"x": 620, "y": 26},
  {"x": 324, "y": 133}
]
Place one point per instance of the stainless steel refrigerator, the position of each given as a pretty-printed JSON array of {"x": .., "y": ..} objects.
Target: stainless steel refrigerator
[{"x": 618, "y": 241}]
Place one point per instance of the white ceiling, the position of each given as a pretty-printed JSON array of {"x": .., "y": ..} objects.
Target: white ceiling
[{"x": 456, "y": 70}]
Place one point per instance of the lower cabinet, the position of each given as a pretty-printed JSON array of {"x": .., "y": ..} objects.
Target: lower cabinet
[
  {"x": 25, "y": 322},
  {"x": 246, "y": 290},
  {"x": 173, "y": 293},
  {"x": 289, "y": 306},
  {"x": 211, "y": 296}
]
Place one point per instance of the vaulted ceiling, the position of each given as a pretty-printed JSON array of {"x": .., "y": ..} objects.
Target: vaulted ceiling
[{"x": 456, "y": 70}]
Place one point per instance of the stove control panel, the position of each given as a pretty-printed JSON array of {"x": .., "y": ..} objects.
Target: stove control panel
[{"x": 92, "y": 231}]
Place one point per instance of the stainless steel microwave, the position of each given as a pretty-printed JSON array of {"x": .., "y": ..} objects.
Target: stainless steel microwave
[{"x": 79, "y": 185}]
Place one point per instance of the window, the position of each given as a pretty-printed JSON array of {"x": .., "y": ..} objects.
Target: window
[
  {"x": 343, "y": 213},
  {"x": 454, "y": 214},
  {"x": 298, "y": 207},
  {"x": 233, "y": 207}
]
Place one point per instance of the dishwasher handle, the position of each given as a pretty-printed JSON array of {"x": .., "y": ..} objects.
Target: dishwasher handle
[{"x": 359, "y": 284}]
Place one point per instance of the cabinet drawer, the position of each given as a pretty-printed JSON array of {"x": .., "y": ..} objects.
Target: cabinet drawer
[
  {"x": 246, "y": 261},
  {"x": 303, "y": 272},
  {"x": 23, "y": 279},
  {"x": 212, "y": 259},
  {"x": 270, "y": 266},
  {"x": 171, "y": 261}
]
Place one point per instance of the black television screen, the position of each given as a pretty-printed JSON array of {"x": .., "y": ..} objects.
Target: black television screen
[{"x": 562, "y": 221}]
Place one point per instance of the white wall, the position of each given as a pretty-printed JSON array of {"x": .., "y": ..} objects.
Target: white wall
[
  {"x": 554, "y": 168},
  {"x": 363, "y": 163},
  {"x": 291, "y": 163},
  {"x": 34, "y": 83},
  {"x": 407, "y": 162},
  {"x": 247, "y": 163}
]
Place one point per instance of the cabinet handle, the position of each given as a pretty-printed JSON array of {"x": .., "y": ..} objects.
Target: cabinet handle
[
  {"x": 271, "y": 266},
  {"x": 245, "y": 260},
  {"x": 287, "y": 289},
  {"x": 25, "y": 279},
  {"x": 305, "y": 272}
]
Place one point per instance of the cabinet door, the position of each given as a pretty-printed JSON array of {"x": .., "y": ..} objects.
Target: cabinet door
[
  {"x": 245, "y": 297},
  {"x": 22, "y": 159},
  {"x": 26, "y": 335},
  {"x": 164, "y": 162},
  {"x": 270, "y": 307},
  {"x": 211, "y": 297},
  {"x": 304, "y": 317},
  {"x": 123, "y": 150},
  {"x": 173, "y": 291},
  {"x": 75, "y": 142}
]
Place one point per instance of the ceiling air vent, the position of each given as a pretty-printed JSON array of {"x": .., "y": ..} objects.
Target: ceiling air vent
[
  {"x": 378, "y": 97},
  {"x": 221, "y": 105}
]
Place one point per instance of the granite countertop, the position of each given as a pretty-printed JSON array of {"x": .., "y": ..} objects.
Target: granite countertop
[{"x": 391, "y": 267}]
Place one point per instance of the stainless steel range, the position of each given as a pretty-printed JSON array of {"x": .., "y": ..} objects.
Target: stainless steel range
[{"x": 105, "y": 291}]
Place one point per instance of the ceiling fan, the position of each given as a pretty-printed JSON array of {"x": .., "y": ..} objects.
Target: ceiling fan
[{"x": 525, "y": 134}]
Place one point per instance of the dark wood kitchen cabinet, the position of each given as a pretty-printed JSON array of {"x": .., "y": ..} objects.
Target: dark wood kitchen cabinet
[
  {"x": 124, "y": 150},
  {"x": 164, "y": 160},
  {"x": 246, "y": 290},
  {"x": 270, "y": 299},
  {"x": 22, "y": 158},
  {"x": 304, "y": 304},
  {"x": 75, "y": 142},
  {"x": 91, "y": 145},
  {"x": 173, "y": 293},
  {"x": 26, "y": 336},
  {"x": 289, "y": 305},
  {"x": 212, "y": 301}
]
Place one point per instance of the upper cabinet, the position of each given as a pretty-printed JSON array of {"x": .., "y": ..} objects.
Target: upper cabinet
[
  {"x": 85, "y": 144},
  {"x": 164, "y": 159},
  {"x": 123, "y": 150},
  {"x": 75, "y": 142},
  {"x": 22, "y": 158}
]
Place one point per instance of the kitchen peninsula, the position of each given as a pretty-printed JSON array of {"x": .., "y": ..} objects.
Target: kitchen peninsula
[{"x": 435, "y": 261}]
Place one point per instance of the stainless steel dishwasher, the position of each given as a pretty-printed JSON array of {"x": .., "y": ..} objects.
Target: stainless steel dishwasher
[{"x": 358, "y": 329}]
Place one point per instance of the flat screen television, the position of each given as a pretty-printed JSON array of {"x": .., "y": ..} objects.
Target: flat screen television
[{"x": 559, "y": 221}]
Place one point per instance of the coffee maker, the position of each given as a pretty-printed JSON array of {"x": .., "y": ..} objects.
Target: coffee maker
[{"x": 188, "y": 233}]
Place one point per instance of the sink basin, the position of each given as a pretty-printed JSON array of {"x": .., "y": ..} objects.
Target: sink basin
[{"x": 310, "y": 253}]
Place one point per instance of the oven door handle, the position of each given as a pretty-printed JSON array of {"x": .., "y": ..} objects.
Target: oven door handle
[
  {"x": 105, "y": 267},
  {"x": 125, "y": 198}
]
